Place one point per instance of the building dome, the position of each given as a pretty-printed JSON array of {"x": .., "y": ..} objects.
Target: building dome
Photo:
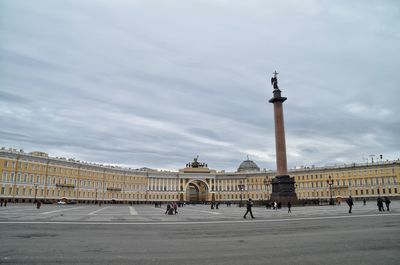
[{"x": 248, "y": 166}]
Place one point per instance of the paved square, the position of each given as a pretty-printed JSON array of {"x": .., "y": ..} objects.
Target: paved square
[{"x": 143, "y": 234}]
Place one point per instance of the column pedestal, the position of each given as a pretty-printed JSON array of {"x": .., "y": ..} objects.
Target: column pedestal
[{"x": 283, "y": 189}]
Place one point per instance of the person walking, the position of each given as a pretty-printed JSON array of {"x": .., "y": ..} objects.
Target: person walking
[
  {"x": 350, "y": 203},
  {"x": 38, "y": 204},
  {"x": 379, "y": 203},
  {"x": 168, "y": 208},
  {"x": 289, "y": 205},
  {"x": 248, "y": 207},
  {"x": 175, "y": 206},
  {"x": 364, "y": 201},
  {"x": 387, "y": 202}
]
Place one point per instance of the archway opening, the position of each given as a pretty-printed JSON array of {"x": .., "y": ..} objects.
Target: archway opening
[
  {"x": 193, "y": 193},
  {"x": 197, "y": 192}
]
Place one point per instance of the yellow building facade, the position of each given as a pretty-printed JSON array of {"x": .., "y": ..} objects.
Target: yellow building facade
[{"x": 29, "y": 176}]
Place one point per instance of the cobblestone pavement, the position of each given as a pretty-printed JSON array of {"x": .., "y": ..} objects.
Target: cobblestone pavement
[
  {"x": 149, "y": 213},
  {"x": 143, "y": 234}
]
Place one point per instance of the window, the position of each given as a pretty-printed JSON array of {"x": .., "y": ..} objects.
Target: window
[{"x": 4, "y": 176}]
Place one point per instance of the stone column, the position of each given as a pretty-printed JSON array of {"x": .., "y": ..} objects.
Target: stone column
[
  {"x": 282, "y": 185},
  {"x": 280, "y": 143}
]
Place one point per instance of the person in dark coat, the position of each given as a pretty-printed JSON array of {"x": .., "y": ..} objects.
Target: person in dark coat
[
  {"x": 248, "y": 207},
  {"x": 350, "y": 203},
  {"x": 379, "y": 203},
  {"x": 168, "y": 208},
  {"x": 387, "y": 202},
  {"x": 364, "y": 201},
  {"x": 289, "y": 205}
]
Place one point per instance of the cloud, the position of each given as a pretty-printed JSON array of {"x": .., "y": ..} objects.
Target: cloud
[{"x": 155, "y": 84}]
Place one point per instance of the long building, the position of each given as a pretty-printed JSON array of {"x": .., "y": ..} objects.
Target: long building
[{"x": 26, "y": 177}]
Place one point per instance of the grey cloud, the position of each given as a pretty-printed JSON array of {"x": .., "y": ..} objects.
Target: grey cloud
[{"x": 155, "y": 84}]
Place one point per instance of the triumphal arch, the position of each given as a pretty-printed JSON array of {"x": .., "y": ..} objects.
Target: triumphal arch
[{"x": 197, "y": 182}]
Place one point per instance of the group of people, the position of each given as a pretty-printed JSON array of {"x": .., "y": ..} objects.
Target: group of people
[
  {"x": 379, "y": 203},
  {"x": 215, "y": 205},
  {"x": 172, "y": 208},
  {"x": 275, "y": 206},
  {"x": 3, "y": 202}
]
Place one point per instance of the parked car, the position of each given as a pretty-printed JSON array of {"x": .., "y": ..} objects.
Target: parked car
[
  {"x": 71, "y": 202},
  {"x": 61, "y": 203}
]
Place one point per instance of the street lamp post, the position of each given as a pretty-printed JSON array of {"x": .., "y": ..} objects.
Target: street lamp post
[
  {"x": 36, "y": 185},
  {"x": 329, "y": 181},
  {"x": 267, "y": 183},
  {"x": 241, "y": 187}
]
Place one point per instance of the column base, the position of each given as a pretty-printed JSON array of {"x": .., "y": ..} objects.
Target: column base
[{"x": 283, "y": 189}]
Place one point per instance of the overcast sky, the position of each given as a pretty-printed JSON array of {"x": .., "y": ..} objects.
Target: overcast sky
[{"x": 156, "y": 83}]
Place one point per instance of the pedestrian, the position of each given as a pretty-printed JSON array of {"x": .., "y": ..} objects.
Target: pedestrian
[
  {"x": 175, "y": 206},
  {"x": 379, "y": 203},
  {"x": 168, "y": 208},
  {"x": 364, "y": 201},
  {"x": 275, "y": 205},
  {"x": 212, "y": 205},
  {"x": 217, "y": 205},
  {"x": 38, "y": 204},
  {"x": 248, "y": 207},
  {"x": 5, "y": 203},
  {"x": 1, "y": 203},
  {"x": 387, "y": 202},
  {"x": 289, "y": 205},
  {"x": 350, "y": 203}
]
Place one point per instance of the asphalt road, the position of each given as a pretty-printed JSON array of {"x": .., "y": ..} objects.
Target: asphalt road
[{"x": 144, "y": 235}]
